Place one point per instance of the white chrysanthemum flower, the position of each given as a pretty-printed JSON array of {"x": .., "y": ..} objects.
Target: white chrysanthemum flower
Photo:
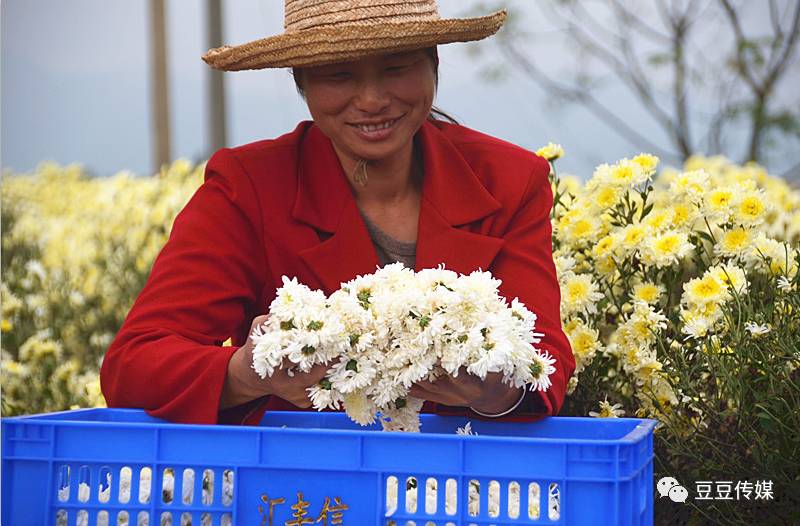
[
  {"x": 608, "y": 411},
  {"x": 696, "y": 326},
  {"x": 404, "y": 416},
  {"x": 757, "y": 330},
  {"x": 541, "y": 369},
  {"x": 384, "y": 332},
  {"x": 323, "y": 396},
  {"x": 360, "y": 408},
  {"x": 466, "y": 430},
  {"x": 784, "y": 285}
]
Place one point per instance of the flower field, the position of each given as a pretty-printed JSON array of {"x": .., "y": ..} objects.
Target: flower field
[{"x": 680, "y": 296}]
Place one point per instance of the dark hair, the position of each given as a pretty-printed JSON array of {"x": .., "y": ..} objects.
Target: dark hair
[{"x": 435, "y": 114}]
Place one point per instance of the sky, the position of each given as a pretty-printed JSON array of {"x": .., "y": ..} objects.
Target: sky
[{"x": 75, "y": 88}]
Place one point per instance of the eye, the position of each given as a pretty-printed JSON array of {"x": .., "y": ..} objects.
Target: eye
[
  {"x": 338, "y": 75},
  {"x": 398, "y": 68}
]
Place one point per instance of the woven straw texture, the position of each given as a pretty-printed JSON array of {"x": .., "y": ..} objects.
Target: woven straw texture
[{"x": 321, "y": 32}]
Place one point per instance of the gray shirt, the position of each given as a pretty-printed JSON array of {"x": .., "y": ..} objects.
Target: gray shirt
[{"x": 389, "y": 249}]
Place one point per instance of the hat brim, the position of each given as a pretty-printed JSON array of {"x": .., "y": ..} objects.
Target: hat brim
[{"x": 329, "y": 45}]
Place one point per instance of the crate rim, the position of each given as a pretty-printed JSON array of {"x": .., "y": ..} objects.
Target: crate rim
[{"x": 643, "y": 428}]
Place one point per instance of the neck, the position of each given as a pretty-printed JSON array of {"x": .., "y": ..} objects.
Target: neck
[{"x": 388, "y": 180}]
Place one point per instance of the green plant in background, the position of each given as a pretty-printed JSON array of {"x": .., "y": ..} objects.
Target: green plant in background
[
  {"x": 76, "y": 251},
  {"x": 681, "y": 298}
]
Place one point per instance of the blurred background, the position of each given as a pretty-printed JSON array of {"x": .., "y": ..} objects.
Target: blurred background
[{"x": 119, "y": 84}]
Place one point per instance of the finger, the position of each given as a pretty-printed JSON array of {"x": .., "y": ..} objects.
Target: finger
[{"x": 258, "y": 321}]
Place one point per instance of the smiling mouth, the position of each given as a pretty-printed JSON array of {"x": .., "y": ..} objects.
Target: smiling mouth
[{"x": 376, "y": 127}]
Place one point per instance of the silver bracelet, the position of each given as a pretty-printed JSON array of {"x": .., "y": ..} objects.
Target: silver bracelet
[{"x": 504, "y": 413}]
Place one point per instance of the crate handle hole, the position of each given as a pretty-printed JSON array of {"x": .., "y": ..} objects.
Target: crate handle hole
[
  {"x": 494, "y": 499},
  {"x": 474, "y": 498},
  {"x": 391, "y": 496},
  {"x": 187, "y": 486},
  {"x": 167, "y": 485},
  {"x": 186, "y": 519},
  {"x": 226, "y": 520},
  {"x": 62, "y": 518},
  {"x": 102, "y": 518},
  {"x": 431, "y": 489},
  {"x": 125, "y": 475},
  {"x": 205, "y": 519},
  {"x": 411, "y": 494},
  {"x": 513, "y": 499},
  {"x": 143, "y": 519},
  {"x": 553, "y": 502},
  {"x": 104, "y": 485},
  {"x": 208, "y": 487},
  {"x": 145, "y": 483},
  {"x": 166, "y": 519},
  {"x": 123, "y": 518},
  {"x": 227, "y": 487},
  {"x": 63, "y": 483},
  {"x": 534, "y": 506},
  {"x": 84, "y": 485},
  {"x": 451, "y": 496}
]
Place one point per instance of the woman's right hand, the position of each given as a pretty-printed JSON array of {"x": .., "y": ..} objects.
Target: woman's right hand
[{"x": 243, "y": 384}]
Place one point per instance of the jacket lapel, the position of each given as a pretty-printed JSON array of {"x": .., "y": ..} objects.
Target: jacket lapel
[
  {"x": 452, "y": 197},
  {"x": 325, "y": 201}
]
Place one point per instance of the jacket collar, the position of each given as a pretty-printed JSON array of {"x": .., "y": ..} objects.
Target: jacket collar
[{"x": 452, "y": 195}]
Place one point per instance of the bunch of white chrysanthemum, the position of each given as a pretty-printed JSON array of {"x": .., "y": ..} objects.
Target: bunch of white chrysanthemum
[{"x": 383, "y": 332}]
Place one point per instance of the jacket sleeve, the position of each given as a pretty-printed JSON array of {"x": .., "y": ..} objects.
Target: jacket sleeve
[
  {"x": 525, "y": 266},
  {"x": 203, "y": 288}
]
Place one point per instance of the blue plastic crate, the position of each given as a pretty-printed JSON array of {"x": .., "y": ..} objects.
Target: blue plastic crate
[{"x": 92, "y": 466}]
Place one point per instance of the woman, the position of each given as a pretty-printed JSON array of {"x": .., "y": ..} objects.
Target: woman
[{"x": 373, "y": 179}]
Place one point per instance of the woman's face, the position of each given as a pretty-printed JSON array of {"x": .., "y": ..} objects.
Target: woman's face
[{"x": 371, "y": 108}]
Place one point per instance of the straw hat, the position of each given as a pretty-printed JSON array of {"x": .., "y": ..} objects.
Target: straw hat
[{"x": 318, "y": 32}]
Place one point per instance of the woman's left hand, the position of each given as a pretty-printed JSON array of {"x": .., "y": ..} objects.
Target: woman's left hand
[{"x": 489, "y": 396}]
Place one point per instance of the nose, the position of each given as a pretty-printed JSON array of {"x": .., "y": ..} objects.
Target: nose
[{"x": 372, "y": 97}]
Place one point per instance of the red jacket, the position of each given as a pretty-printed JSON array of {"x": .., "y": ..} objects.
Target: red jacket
[{"x": 284, "y": 207}]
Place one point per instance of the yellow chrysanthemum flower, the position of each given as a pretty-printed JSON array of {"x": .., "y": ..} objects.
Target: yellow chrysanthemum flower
[
  {"x": 579, "y": 293},
  {"x": 734, "y": 242},
  {"x": 751, "y": 209},
  {"x": 732, "y": 276},
  {"x": 647, "y": 162},
  {"x": 608, "y": 411},
  {"x": 692, "y": 183},
  {"x": 584, "y": 230},
  {"x": 682, "y": 215},
  {"x": 607, "y": 196},
  {"x": 659, "y": 219},
  {"x": 648, "y": 292},
  {"x": 633, "y": 235},
  {"x": 666, "y": 249},
  {"x": 701, "y": 291},
  {"x": 718, "y": 202},
  {"x": 551, "y": 151},
  {"x": 605, "y": 246},
  {"x": 606, "y": 267},
  {"x": 627, "y": 173}
]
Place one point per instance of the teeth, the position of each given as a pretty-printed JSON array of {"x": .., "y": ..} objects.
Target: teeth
[{"x": 375, "y": 127}]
